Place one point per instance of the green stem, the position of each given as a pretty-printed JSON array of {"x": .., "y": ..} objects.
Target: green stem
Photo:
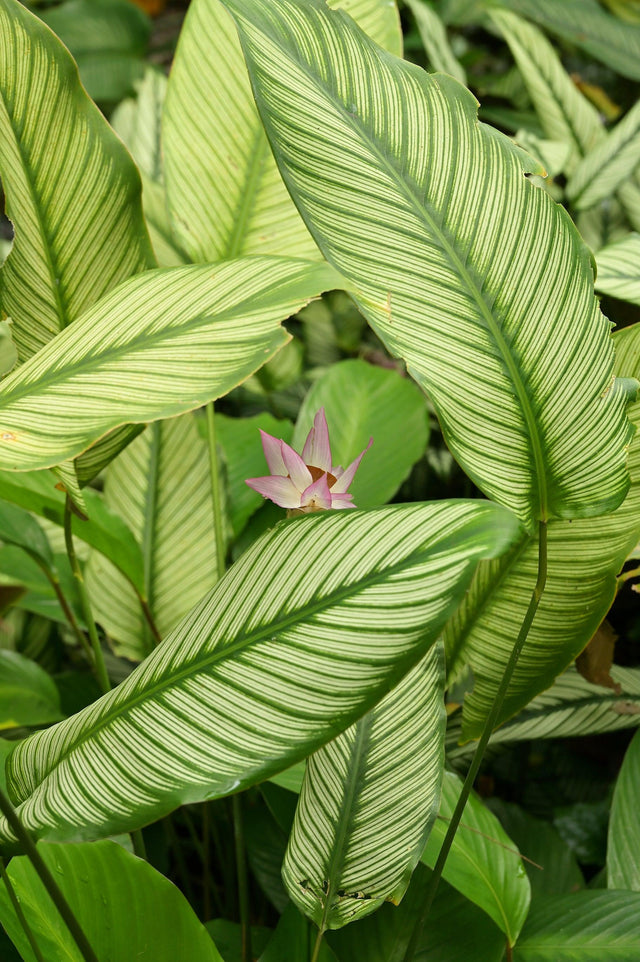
[
  {"x": 216, "y": 492},
  {"x": 490, "y": 723},
  {"x": 626, "y": 575},
  {"x": 243, "y": 881},
  {"x": 47, "y": 879},
  {"x": 149, "y": 530},
  {"x": 17, "y": 908},
  {"x": 317, "y": 946},
  {"x": 98, "y": 658},
  {"x": 153, "y": 628},
  {"x": 66, "y": 608},
  {"x": 139, "y": 848}
]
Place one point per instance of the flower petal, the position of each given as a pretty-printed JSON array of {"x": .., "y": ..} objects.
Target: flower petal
[
  {"x": 280, "y": 490},
  {"x": 317, "y": 449},
  {"x": 295, "y": 467},
  {"x": 317, "y": 496},
  {"x": 347, "y": 476},
  {"x": 272, "y": 448},
  {"x": 341, "y": 501}
]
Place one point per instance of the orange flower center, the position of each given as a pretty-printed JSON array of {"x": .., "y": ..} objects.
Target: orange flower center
[{"x": 316, "y": 474}]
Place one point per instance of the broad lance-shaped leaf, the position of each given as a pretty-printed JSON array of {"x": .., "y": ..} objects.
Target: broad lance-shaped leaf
[
  {"x": 368, "y": 801},
  {"x": 225, "y": 195},
  {"x": 623, "y": 867},
  {"x": 163, "y": 343},
  {"x": 483, "y": 864},
  {"x": 126, "y": 908},
  {"x": 307, "y": 630},
  {"x": 607, "y": 166},
  {"x": 584, "y": 23},
  {"x": 466, "y": 270},
  {"x": 571, "y": 708},
  {"x": 72, "y": 190},
  {"x": 584, "y": 557},
  {"x": 619, "y": 269},
  {"x": 161, "y": 487}
]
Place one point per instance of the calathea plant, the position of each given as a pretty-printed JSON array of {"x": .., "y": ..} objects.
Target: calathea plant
[{"x": 141, "y": 292}]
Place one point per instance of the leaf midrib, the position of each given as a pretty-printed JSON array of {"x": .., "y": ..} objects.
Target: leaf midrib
[
  {"x": 465, "y": 274},
  {"x": 242, "y": 212},
  {"x": 246, "y": 641}
]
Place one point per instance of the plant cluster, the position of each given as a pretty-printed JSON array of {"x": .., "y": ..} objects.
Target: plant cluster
[{"x": 238, "y": 728}]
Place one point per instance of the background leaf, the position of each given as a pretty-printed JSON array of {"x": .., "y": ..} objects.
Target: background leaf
[
  {"x": 28, "y": 695},
  {"x": 583, "y": 926},
  {"x": 216, "y": 153},
  {"x": 619, "y": 269},
  {"x": 57, "y": 175},
  {"x": 483, "y": 864},
  {"x": 362, "y": 401},
  {"x": 126, "y": 908},
  {"x": 161, "y": 487},
  {"x": 623, "y": 867},
  {"x": 360, "y": 599}
]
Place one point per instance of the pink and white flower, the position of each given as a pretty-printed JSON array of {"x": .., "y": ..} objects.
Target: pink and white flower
[{"x": 308, "y": 483}]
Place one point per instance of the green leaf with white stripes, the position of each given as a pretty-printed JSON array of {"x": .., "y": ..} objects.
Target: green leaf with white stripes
[
  {"x": 584, "y": 23},
  {"x": 483, "y": 864},
  {"x": 619, "y": 269},
  {"x": 162, "y": 343},
  {"x": 161, "y": 487},
  {"x": 217, "y": 157},
  {"x": 463, "y": 268},
  {"x": 433, "y": 34},
  {"x": 584, "y": 557},
  {"x": 623, "y": 867},
  {"x": 571, "y": 708},
  {"x": 368, "y": 801},
  {"x": 138, "y": 123},
  {"x": 303, "y": 635},
  {"x": 608, "y": 165},
  {"x": 72, "y": 191}
]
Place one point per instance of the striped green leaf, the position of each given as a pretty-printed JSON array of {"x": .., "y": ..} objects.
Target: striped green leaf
[
  {"x": 619, "y": 269},
  {"x": 161, "y": 487},
  {"x": 583, "y": 927},
  {"x": 217, "y": 157},
  {"x": 571, "y": 708},
  {"x": 163, "y": 343},
  {"x": 584, "y": 558},
  {"x": 471, "y": 274},
  {"x": 311, "y": 627},
  {"x": 138, "y": 123},
  {"x": 585, "y": 24},
  {"x": 564, "y": 113},
  {"x": 483, "y": 863},
  {"x": 72, "y": 191},
  {"x": 623, "y": 867},
  {"x": 368, "y": 801},
  {"x": 609, "y": 164},
  {"x": 433, "y": 34},
  {"x": 379, "y": 19}
]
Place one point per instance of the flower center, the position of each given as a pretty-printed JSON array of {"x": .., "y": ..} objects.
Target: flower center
[{"x": 316, "y": 474}]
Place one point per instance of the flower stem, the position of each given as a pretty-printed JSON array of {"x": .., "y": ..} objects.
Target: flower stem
[
  {"x": 17, "y": 908},
  {"x": 216, "y": 492},
  {"x": 98, "y": 658},
  {"x": 489, "y": 725},
  {"x": 243, "y": 882},
  {"x": 47, "y": 879}
]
